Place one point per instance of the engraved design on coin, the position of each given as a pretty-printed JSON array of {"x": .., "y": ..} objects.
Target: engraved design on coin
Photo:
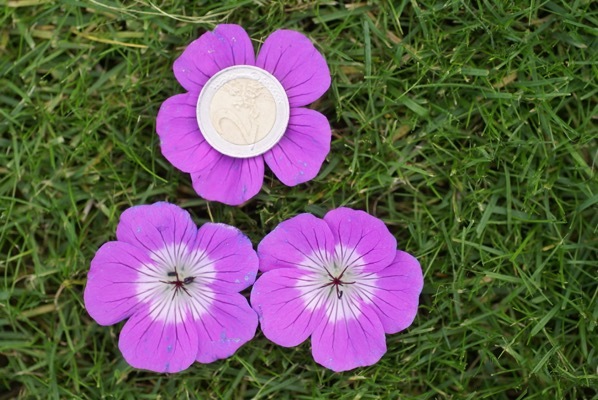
[{"x": 242, "y": 111}]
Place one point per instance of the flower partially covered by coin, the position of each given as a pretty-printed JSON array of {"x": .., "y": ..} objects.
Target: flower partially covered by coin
[{"x": 241, "y": 111}]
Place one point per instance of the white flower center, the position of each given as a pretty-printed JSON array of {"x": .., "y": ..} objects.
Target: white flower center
[
  {"x": 242, "y": 111},
  {"x": 339, "y": 285},
  {"x": 176, "y": 285}
]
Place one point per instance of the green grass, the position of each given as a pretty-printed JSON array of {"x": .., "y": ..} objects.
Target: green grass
[{"x": 470, "y": 128}]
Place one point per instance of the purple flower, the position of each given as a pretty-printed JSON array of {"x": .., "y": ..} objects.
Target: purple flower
[
  {"x": 339, "y": 279},
  {"x": 177, "y": 285},
  {"x": 240, "y": 111}
]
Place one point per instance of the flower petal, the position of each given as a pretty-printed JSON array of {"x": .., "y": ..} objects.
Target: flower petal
[
  {"x": 230, "y": 180},
  {"x": 152, "y": 227},
  {"x": 349, "y": 343},
  {"x": 396, "y": 296},
  {"x": 215, "y": 176},
  {"x": 227, "y": 45},
  {"x": 229, "y": 323},
  {"x": 363, "y": 241},
  {"x": 288, "y": 314},
  {"x": 303, "y": 242},
  {"x": 181, "y": 141},
  {"x": 298, "y": 156},
  {"x": 157, "y": 346},
  {"x": 110, "y": 294},
  {"x": 231, "y": 263},
  {"x": 292, "y": 58}
]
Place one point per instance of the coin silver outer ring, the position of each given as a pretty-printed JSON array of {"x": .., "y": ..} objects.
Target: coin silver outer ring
[{"x": 205, "y": 100}]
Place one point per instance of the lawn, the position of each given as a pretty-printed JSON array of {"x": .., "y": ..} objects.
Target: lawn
[{"x": 469, "y": 128}]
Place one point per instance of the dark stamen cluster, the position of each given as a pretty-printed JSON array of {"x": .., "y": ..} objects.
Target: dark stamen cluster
[
  {"x": 178, "y": 283},
  {"x": 337, "y": 281}
]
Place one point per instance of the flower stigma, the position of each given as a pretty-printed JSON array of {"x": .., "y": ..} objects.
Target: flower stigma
[
  {"x": 178, "y": 283},
  {"x": 336, "y": 282}
]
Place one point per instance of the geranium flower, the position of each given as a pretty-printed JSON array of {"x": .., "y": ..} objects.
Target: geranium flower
[
  {"x": 240, "y": 111},
  {"x": 177, "y": 285},
  {"x": 340, "y": 280}
]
